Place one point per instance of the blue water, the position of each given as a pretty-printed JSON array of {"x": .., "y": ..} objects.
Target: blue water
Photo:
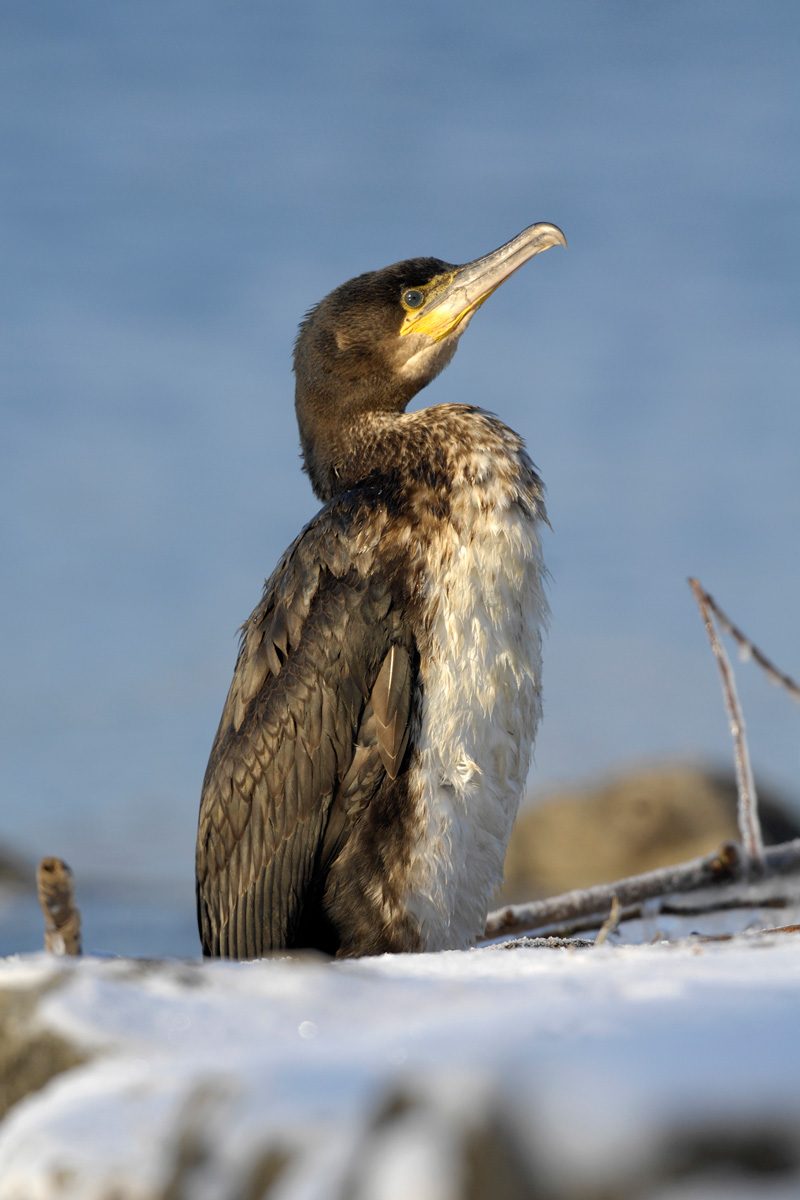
[{"x": 181, "y": 181}]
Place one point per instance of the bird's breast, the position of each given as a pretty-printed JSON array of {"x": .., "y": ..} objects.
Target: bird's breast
[{"x": 482, "y": 612}]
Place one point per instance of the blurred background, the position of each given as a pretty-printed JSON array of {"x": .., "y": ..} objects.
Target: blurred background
[{"x": 181, "y": 181}]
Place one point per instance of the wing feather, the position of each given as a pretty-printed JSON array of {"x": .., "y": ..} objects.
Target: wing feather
[
  {"x": 316, "y": 716},
  {"x": 391, "y": 703}
]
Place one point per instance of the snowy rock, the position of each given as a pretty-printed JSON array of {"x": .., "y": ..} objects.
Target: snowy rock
[{"x": 664, "y": 1070}]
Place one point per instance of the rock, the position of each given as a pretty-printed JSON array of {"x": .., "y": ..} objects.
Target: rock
[{"x": 635, "y": 822}]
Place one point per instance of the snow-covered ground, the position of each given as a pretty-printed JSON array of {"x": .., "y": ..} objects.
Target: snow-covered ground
[{"x": 665, "y": 1070}]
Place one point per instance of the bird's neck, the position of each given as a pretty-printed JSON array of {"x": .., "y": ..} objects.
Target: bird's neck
[
  {"x": 344, "y": 436},
  {"x": 352, "y": 453},
  {"x": 447, "y": 458}
]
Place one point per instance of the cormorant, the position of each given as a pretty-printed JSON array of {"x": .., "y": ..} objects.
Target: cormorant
[{"x": 377, "y": 733}]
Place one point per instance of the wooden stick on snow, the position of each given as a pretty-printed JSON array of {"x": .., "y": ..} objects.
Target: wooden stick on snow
[{"x": 749, "y": 824}]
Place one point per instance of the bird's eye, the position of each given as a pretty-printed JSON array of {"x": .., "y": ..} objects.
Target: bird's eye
[{"x": 413, "y": 298}]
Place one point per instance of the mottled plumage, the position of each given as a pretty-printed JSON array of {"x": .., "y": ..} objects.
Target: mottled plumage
[{"x": 377, "y": 732}]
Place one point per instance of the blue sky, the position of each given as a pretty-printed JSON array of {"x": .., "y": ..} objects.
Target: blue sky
[{"x": 180, "y": 182}]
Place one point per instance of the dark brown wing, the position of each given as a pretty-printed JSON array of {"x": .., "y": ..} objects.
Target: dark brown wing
[{"x": 316, "y": 716}]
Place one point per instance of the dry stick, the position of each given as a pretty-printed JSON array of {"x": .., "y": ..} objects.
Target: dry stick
[
  {"x": 584, "y": 902},
  {"x": 611, "y": 922},
  {"x": 749, "y": 649},
  {"x": 749, "y": 824},
  {"x": 723, "y": 867},
  {"x": 62, "y": 921}
]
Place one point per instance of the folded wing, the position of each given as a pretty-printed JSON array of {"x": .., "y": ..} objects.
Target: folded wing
[{"x": 316, "y": 719}]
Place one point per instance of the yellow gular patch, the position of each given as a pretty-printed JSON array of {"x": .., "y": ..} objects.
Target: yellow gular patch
[{"x": 441, "y": 314}]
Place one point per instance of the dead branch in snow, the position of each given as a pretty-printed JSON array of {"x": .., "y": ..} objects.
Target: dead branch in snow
[
  {"x": 748, "y": 649},
  {"x": 62, "y": 920},
  {"x": 611, "y": 923},
  {"x": 727, "y": 865},
  {"x": 749, "y": 824}
]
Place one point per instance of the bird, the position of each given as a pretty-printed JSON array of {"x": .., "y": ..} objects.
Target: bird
[{"x": 377, "y": 734}]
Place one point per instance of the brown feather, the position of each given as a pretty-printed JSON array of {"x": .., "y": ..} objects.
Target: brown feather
[{"x": 391, "y": 703}]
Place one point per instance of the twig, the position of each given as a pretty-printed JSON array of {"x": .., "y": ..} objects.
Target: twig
[
  {"x": 62, "y": 920},
  {"x": 748, "y": 649},
  {"x": 678, "y": 908},
  {"x": 610, "y": 924},
  {"x": 749, "y": 824},
  {"x": 723, "y": 867}
]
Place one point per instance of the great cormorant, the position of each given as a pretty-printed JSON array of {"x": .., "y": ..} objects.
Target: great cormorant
[{"x": 377, "y": 733}]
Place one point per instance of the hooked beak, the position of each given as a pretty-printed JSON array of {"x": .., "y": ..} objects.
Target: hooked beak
[{"x": 459, "y": 294}]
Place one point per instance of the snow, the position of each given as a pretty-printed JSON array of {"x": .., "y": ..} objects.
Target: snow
[{"x": 395, "y": 1076}]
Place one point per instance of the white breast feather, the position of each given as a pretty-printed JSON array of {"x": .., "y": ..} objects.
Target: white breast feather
[{"x": 481, "y": 708}]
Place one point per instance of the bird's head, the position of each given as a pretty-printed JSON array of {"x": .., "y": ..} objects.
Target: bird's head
[{"x": 376, "y": 340}]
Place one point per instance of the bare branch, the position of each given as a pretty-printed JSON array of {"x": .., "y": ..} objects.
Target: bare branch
[
  {"x": 748, "y": 649},
  {"x": 723, "y": 866},
  {"x": 749, "y": 824},
  {"x": 62, "y": 921},
  {"x": 611, "y": 922}
]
